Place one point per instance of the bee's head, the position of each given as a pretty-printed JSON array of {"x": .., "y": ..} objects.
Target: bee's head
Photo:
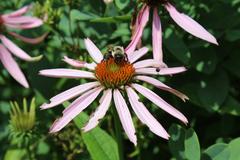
[{"x": 108, "y": 54}]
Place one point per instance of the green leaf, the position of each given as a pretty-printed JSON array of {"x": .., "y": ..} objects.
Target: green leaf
[
  {"x": 233, "y": 35},
  {"x": 80, "y": 16},
  {"x": 223, "y": 151},
  {"x": 204, "y": 60},
  {"x": 232, "y": 64},
  {"x": 76, "y": 15},
  {"x": 209, "y": 92},
  {"x": 176, "y": 46},
  {"x": 183, "y": 143},
  {"x": 112, "y": 19},
  {"x": 231, "y": 106},
  {"x": 234, "y": 147},
  {"x": 13, "y": 154},
  {"x": 192, "y": 145},
  {"x": 99, "y": 144},
  {"x": 43, "y": 148},
  {"x": 121, "y": 4},
  {"x": 216, "y": 152}
]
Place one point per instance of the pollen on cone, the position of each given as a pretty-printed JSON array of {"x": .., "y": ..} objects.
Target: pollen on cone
[{"x": 112, "y": 74}]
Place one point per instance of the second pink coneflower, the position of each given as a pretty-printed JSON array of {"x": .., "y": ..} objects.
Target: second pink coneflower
[
  {"x": 17, "y": 20},
  {"x": 184, "y": 21}
]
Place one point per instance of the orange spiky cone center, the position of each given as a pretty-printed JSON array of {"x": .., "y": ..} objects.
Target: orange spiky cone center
[{"x": 114, "y": 75}]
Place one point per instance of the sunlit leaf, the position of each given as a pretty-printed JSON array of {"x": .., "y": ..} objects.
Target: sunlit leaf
[
  {"x": 99, "y": 144},
  {"x": 184, "y": 143}
]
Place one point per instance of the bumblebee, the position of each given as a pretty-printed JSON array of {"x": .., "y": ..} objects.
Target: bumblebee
[{"x": 117, "y": 53}]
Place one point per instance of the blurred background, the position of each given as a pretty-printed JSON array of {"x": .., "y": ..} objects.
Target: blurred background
[{"x": 211, "y": 82}]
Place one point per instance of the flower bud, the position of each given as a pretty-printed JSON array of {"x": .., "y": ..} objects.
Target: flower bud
[{"x": 22, "y": 120}]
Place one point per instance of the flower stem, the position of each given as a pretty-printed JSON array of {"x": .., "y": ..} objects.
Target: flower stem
[
  {"x": 29, "y": 152},
  {"x": 118, "y": 133}
]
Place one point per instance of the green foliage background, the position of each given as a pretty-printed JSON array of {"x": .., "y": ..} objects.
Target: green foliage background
[{"x": 211, "y": 82}]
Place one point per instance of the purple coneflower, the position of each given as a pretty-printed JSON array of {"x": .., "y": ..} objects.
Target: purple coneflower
[
  {"x": 114, "y": 74},
  {"x": 16, "y": 20},
  {"x": 184, "y": 21}
]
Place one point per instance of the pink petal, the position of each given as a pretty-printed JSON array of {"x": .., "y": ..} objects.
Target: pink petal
[
  {"x": 73, "y": 62},
  {"x": 144, "y": 115},
  {"x": 34, "y": 24},
  {"x": 100, "y": 112},
  {"x": 140, "y": 16},
  {"x": 172, "y": 70},
  {"x": 94, "y": 52},
  {"x": 160, "y": 102},
  {"x": 137, "y": 54},
  {"x": 79, "y": 64},
  {"x": 29, "y": 40},
  {"x": 189, "y": 25},
  {"x": 20, "y": 20},
  {"x": 163, "y": 71},
  {"x": 69, "y": 94},
  {"x": 67, "y": 73},
  {"x": 162, "y": 86},
  {"x": 75, "y": 108},
  {"x": 18, "y": 51},
  {"x": 12, "y": 67},
  {"x": 145, "y": 63},
  {"x": 125, "y": 116},
  {"x": 157, "y": 37},
  {"x": 18, "y": 12},
  {"x": 82, "y": 98},
  {"x": 143, "y": 19}
]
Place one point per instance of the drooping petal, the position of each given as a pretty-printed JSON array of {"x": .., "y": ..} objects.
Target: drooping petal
[
  {"x": 79, "y": 64},
  {"x": 189, "y": 25},
  {"x": 162, "y": 86},
  {"x": 162, "y": 71},
  {"x": 124, "y": 116},
  {"x": 18, "y": 12},
  {"x": 100, "y": 112},
  {"x": 145, "y": 63},
  {"x": 66, "y": 73},
  {"x": 12, "y": 67},
  {"x": 144, "y": 115},
  {"x": 160, "y": 102},
  {"x": 21, "y": 20},
  {"x": 34, "y": 24},
  {"x": 18, "y": 51},
  {"x": 75, "y": 108},
  {"x": 69, "y": 94},
  {"x": 29, "y": 40},
  {"x": 73, "y": 62},
  {"x": 139, "y": 16},
  {"x": 157, "y": 37},
  {"x": 143, "y": 19},
  {"x": 137, "y": 54},
  {"x": 94, "y": 52}
]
